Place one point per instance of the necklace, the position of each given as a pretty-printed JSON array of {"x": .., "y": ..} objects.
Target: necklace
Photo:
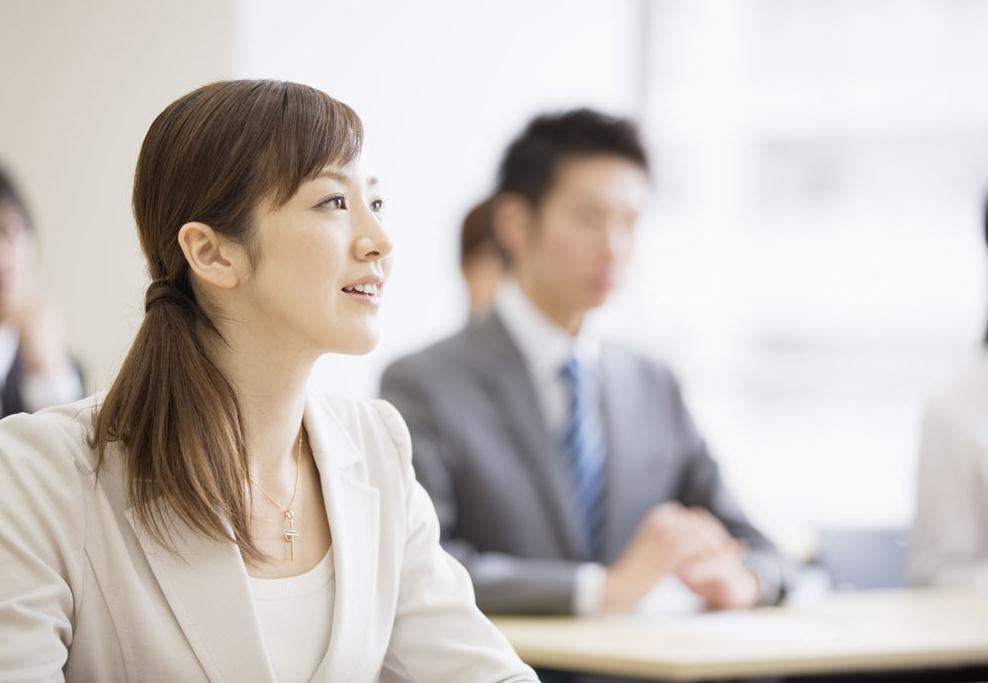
[{"x": 291, "y": 533}]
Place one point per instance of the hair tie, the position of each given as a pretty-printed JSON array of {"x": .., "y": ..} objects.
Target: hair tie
[{"x": 163, "y": 291}]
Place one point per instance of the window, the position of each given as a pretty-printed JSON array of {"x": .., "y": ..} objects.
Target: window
[{"x": 814, "y": 262}]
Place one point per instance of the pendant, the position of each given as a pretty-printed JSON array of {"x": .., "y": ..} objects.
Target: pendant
[{"x": 291, "y": 533}]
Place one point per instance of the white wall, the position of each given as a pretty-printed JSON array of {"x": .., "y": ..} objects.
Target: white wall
[
  {"x": 82, "y": 81},
  {"x": 441, "y": 86},
  {"x": 748, "y": 106}
]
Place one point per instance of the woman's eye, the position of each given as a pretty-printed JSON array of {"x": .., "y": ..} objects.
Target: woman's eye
[
  {"x": 377, "y": 205},
  {"x": 337, "y": 201}
]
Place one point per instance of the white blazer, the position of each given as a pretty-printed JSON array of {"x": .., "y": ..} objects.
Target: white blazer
[
  {"x": 949, "y": 542},
  {"x": 87, "y": 595}
]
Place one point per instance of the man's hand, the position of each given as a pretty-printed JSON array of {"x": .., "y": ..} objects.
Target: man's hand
[
  {"x": 722, "y": 580},
  {"x": 719, "y": 577},
  {"x": 668, "y": 537},
  {"x": 42, "y": 339}
]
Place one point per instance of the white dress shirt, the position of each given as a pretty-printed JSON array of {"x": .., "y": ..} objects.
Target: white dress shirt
[
  {"x": 296, "y": 619},
  {"x": 38, "y": 389},
  {"x": 949, "y": 543},
  {"x": 546, "y": 347},
  {"x": 9, "y": 340}
]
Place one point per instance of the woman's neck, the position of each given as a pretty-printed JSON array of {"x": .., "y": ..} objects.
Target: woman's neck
[{"x": 270, "y": 382}]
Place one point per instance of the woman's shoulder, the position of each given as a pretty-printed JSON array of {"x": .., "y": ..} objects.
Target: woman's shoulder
[
  {"x": 369, "y": 423},
  {"x": 46, "y": 474},
  {"x": 953, "y": 417},
  {"x": 54, "y": 439},
  {"x": 963, "y": 394}
]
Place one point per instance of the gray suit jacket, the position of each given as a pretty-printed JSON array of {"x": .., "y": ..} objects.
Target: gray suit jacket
[{"x": 482, "y": 449}]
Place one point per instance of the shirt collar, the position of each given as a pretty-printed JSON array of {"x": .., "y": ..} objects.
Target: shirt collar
[{"x": 544, "y": 344}]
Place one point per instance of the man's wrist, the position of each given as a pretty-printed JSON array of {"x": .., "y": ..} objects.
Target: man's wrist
[{"x": 589, "y": 589}]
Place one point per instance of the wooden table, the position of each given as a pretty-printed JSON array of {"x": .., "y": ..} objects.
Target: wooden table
[{"x": 887, "y": 631}]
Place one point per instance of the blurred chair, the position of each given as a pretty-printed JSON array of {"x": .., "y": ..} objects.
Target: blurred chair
[{"x": 860, "y": 559}]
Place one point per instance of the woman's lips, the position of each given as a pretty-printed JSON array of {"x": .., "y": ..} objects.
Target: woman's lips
[{"x": 368, "y": 295}]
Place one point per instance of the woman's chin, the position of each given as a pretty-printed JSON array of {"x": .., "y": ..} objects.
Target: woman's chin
[{"x": 356, "y": 344}]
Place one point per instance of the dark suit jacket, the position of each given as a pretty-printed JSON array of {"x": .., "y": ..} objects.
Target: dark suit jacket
[{"x": 498, "y": 480}]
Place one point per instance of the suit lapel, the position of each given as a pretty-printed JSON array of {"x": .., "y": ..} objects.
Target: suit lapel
[
  {"x": 622, "y": 431},
  {"x": 353, "y": 509},
  {"x": 516, "y": 399},
  {"x": 205, "y": 583}
]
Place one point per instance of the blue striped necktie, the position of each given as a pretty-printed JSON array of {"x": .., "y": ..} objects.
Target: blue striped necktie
[{"x": 583, "y": 446}]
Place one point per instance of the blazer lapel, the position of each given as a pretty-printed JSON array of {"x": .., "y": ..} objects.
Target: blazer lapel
[
  {"x": 516, "y": 398},
  {"x": 207, "y": 587},
  {"x": 353, "y": 509},
  {"x": 205, "y": 583}
]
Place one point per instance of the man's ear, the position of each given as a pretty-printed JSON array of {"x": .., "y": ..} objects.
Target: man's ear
[
  {"x": 512, "y": 219},
  {"x": 212, "y": 258}
]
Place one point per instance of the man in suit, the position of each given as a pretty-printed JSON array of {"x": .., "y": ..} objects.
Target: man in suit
[
  {"x": 566, "y": 470},
  {"x": 35, "y": 368}
]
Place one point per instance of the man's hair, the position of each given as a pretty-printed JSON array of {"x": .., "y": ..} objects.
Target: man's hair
[
  {"x": 532, "y": 161},
  {"x": 10, "y": 195}
]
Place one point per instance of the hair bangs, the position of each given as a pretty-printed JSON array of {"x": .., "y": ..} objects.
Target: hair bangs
[{"x": 314, "y": 131}]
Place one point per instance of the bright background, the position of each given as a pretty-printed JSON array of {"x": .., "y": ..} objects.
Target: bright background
[{"x": 812, "y": 263}]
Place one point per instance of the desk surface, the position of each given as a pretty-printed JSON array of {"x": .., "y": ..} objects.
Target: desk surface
[{"x": 839, "y": 633}]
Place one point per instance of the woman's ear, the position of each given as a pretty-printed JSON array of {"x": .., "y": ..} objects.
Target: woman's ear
[
  {"x": 511, "y": 218},
  {"x": 214, "y": 259}
]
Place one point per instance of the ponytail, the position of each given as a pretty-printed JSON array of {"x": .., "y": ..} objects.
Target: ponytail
[{"x": 179, "y": 419}]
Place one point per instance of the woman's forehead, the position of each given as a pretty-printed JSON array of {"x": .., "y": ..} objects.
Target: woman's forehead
[{"x": 357, "y": 172}]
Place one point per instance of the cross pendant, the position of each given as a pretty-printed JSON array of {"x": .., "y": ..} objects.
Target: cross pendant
[{"x": 291, "y": 533}]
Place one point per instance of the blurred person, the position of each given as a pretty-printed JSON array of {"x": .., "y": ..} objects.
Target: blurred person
[
  {"x": 566, "y": 470},
  {"x": 481, "y": 261},
  {"x": 209, "y": 518},
  {"x": 949, "y": 538},
  {"x": 36, "y": 370}
]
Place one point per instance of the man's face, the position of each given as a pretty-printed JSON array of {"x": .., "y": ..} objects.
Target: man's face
[{"x": 582, "y": 232}]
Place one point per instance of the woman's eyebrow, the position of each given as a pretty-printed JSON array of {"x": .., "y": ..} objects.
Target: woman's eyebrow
[
  {"x": 342, "y": 178},
  {"x": 333, "y": 175}
]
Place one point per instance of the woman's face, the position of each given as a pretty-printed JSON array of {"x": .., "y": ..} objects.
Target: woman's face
[{"x": 322, "y": 263}]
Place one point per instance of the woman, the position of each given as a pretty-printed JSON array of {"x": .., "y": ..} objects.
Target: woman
[
  {"x": 481, "y": 259},
  {"x": 207, "y": 518},
  {"x": 949, "y": 541}
]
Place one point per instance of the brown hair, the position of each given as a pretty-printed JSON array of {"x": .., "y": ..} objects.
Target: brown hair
[
  {"x": 10, "y": 196},
  {"x": 477, "y": 233},
  {"x": 211, "y": 156},
  {"x": 532, "y": 161}
]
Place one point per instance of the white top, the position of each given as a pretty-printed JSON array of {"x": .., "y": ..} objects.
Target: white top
[
  {"x": 949, "y": 543},
  {"x": 38, "y": 390},
  {"x": 296, "y": 619}
]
